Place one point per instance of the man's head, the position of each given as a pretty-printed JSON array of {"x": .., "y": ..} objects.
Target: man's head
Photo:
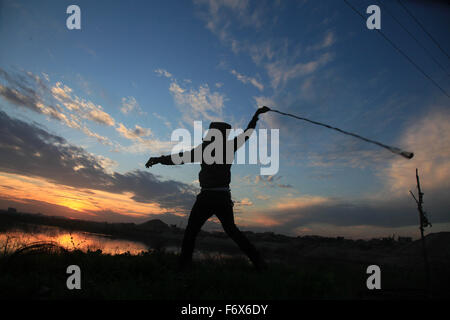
[{"x": 223, "y": 127}]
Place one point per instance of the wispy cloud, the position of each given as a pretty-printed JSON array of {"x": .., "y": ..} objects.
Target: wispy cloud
[
  {"x": 132, "y": 134},
  {"x": 29, "y": 91},
  {"x": 244, "y": 202},
  {"x": 85, "y": 109},
  {"x": 195, "y": 103},
  {"x": 102, "y": 139},
  {"x": 266, "y": 181},
  {"x": 327, "y": 41},
  {"x": 245, "y": 79},
  {"x": 167, "y": 123},
  {"x": 221, "y": 15},
  {"x": 129, "y": 104},
  {"x": 262, "y": 197},
  {"x": 202, "y": 102},
  {"x": 164, "y": 73},
  {"x": 264, "y": 101},
  {"x": 282, "y": 71}
]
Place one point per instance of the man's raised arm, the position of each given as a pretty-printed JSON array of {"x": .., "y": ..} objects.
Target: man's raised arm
[{"x": 243, "y": 137}]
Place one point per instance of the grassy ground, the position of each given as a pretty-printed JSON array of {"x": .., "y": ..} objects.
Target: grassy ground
[{"x": 154, "y": 276}]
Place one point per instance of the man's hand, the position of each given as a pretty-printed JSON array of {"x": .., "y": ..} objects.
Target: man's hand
[
  {"x": 263, "y": 109},
  {"x": 152, "y": 161}
]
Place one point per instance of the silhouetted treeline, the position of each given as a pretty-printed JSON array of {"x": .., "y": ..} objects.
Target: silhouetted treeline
[{"x": 30, "y": 222}]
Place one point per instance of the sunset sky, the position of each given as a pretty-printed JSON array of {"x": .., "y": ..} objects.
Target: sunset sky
[{"x": 81, "y": 111}]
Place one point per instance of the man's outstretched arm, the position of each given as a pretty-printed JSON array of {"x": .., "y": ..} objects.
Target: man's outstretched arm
[
  {"x": 189, "y": 155},
  {"x": 168, "y": 160}
]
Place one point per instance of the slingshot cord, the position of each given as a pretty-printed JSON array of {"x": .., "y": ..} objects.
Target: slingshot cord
[{"x": 406, "y": 154}]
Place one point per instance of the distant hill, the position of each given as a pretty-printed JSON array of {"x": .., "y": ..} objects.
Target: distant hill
[
  {"x": 154, "y": 225},
  {"x": 437, "y": 245}
]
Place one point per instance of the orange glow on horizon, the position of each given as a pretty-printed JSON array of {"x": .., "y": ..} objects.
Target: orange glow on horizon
[
  {"x": 86, "y": 201},
  {"x": 300, "y": 202},
  {"x": 76, "y": 205}
]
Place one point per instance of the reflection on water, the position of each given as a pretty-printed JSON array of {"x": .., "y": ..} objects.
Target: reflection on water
[
  {"x": 10, "y": 241},
  {"x": 13, "y": 240}
]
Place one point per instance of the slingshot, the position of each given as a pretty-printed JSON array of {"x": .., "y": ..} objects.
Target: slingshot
[{"x": 406, "y": 154}]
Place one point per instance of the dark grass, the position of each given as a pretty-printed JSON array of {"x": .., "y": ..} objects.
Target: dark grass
[{"x": 155, "y": 276}]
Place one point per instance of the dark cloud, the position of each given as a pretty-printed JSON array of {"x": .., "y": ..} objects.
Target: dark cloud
[
  {"x": 18, "y": 98},
  {"x": 27, "y": 90},
  {"x": 386, "y": 213},
  {"x": 284, "y": 186},
  {"x": 32, "y": 151},
  {"x": 25, "y": 84},
  {"x": 271, "y": 181},
  {"x": 147, "y": 188},
  {"x": 23, "y": 81}
]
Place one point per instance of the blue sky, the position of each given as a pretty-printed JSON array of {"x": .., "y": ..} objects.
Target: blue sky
[{"x": 137, "y": 70}]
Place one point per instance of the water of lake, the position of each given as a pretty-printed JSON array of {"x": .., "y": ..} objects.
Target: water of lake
[
  {"x": 13, "y": 240},
  {"x": 86, "y": 241}
]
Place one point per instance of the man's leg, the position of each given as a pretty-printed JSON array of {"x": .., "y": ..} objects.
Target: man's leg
[
  {"x": 226, "y": 217},
  {"x": 199, "y": 215}
]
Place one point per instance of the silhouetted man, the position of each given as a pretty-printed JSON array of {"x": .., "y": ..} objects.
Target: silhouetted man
[{"x": 215, "y": 195}]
